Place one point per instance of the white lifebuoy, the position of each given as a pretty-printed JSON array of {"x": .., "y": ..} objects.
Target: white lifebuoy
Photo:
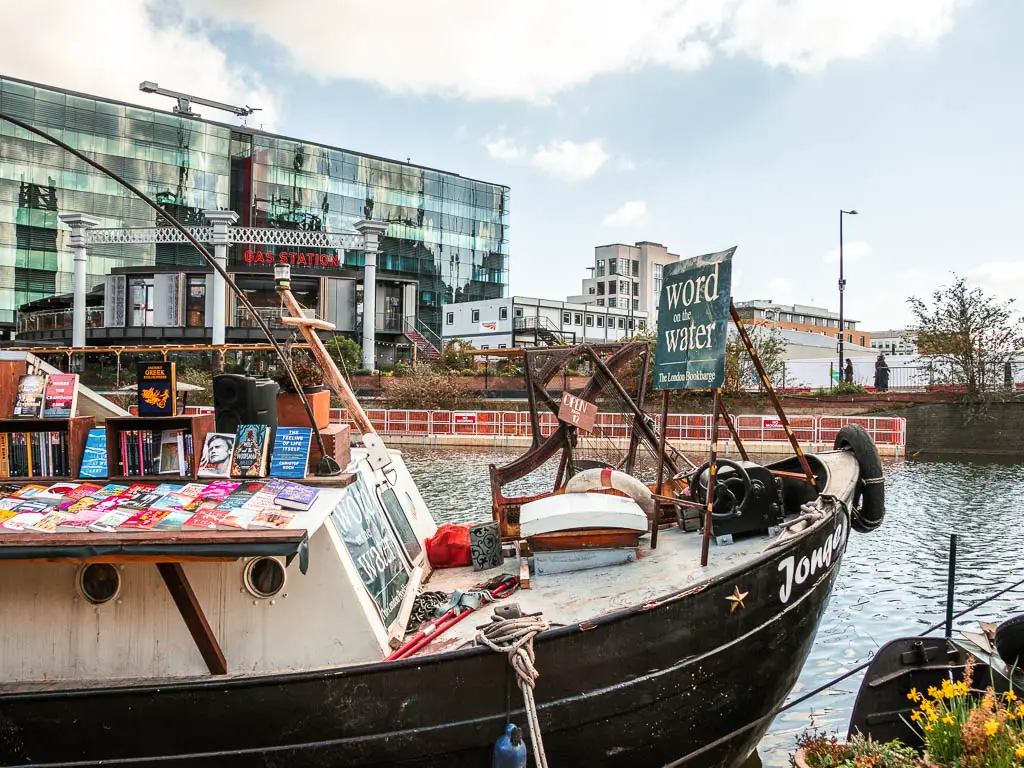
[{"x": 595, "y": 479}]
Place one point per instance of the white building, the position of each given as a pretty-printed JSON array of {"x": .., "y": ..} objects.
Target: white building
[
  {"x": 897, "y": 342},
  {"x": 626, "y": 277},
  {"x": 523, "y": 321}
]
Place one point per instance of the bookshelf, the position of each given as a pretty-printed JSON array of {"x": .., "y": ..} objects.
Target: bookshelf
[
  {"x": 77, "y": 429},
  {"x": 197, "y": 425}
]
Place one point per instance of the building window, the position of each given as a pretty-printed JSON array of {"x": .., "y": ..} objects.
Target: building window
[
  {"x": 631, "y": 323},
  {"x": 612, "y": 286},
  {"x": 577, "y": 318},
  {"x": 636, "y": 303},
  {"x": 484, "y": 346},
  {"x": 622, "y": 322},
  {"x": 476, "y": 315},
  {"x": 590, "y": 321},
  {"x": 636, "y": 289},
  {"x": 862, "y": 341},
  {"x": 503, "y": 313},
  {"x": 503, "y": 346},
  {"x": 600, "y": 302},
  {"x": 600, "y": 321},
  {"x": 566, "y": 318},
  {"x": 195, "y": 301},
  {"x": 612, "y": 303},
  {"x": 449, "y": 319},
  {"x": 611, "y": 267},
  {"x": 657, "y": 272},
  {"x": 518, "y": 312},
  {"x": 600, "y": 267},
  {"x": 635, "y": 268},
  {"x": 140, "y": 301},
  {"x": 591, "y": 291},
  {"x": 643, "y": 324}
]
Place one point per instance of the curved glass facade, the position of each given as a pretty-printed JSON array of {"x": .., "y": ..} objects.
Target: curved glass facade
[{"x": 448, "y": 233}]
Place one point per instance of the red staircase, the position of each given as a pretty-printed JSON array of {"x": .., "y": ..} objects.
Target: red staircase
[{"x": 424, "y": 349}]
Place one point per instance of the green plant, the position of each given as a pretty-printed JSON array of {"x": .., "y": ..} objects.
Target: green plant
[
  {"x": 346, "y": 353},
  {"x": 199, "y": 378},
  {"x": 306, "y": 370},
  {"x": 823, "y": 751},
  {"x": 427, "y": 389},
  {"x": 455, "y": 356}
]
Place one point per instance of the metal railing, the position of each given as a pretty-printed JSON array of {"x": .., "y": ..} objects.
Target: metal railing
[
  {"x": 57, "y": 320},
  {"x": 270, "y": 315},
  {"x": 418, "y": 326}
]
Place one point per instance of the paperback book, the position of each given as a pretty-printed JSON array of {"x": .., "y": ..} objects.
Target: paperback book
[
  {"x": 29, "y": 401},
  {"x": 21, "y": 521},
  {"x": 290, "y": 457},
  {"x": 61, "y": 397},
  {"x": 271, "y": 518},
  {"x": 249, "y": 458},
  {"x": 216, "y": 458},
  {"x": 94, "y": 458},
  {"x": 172, "y": 450},
  {"x": 295, "y": 496},
  {"x": 157, "y": 387}
]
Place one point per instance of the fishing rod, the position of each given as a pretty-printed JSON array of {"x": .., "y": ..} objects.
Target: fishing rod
[{"x": 327, "y": 464}]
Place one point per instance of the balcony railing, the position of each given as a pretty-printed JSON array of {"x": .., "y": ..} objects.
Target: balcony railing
[
  {"x": 270, "y": 315},
  {"x": 58, "y": 320}
]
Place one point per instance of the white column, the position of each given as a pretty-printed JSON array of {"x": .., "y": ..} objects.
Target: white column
[
  {"x": 220, "y": 221},
  {"x": 371, "y": 232},
  {"x": 79, "y": 224}
]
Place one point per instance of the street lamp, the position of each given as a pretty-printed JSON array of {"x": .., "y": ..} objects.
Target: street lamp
[{"x": 842, "y": 287}]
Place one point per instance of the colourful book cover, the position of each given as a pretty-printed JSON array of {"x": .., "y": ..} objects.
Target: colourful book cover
[
  {"x": 238, "y": 498},
  {"x": 265, "y": 496},
  {"x": 172, "y": 501},
  {"x": 143, "y": 520},
  {"x": 10, "y": 502},
  {"x": 249, "y": 458},
  {"x": 290, "y": 457},
  {"x": 295, "y": 496},
  {"x": 61, "y": 397},
  {"x": 21, "y": 521},
  {"x": 29, "y": 401},
  {"x": 28, "y": 491},
  {"x": 192, "y": 489},
  {"x": 78, "y": 505},
  {"x": 94, "y": 458},
  {"x": 157, "y": 389},
  {"x": 171, "y": 449},
  {"x": 5, "y": 515},
  {"x": 238, "y": 520},
  {"x": 173, "y": 520},
  {"x": 84, "y": 491},
  {"x": 271, "y": 518},
  {"x": 80, "y": 522},
  {"x": 215, "y": 460},
  {"x": 205, "y": 518},
  {"x": 164, "y": 488},
  {"x": 47, "y": 523},
  {"x": 218, "y": 490},
  {"x": 60, "y": 491},
  {"x": 110, "y": 522}
]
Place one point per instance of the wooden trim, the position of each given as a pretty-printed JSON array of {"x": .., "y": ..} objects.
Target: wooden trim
[
  {"x": 149, "y": 538},
  {"x": 192, "y": 613}
]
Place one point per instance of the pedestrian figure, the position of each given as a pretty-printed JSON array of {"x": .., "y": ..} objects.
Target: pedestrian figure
[
  {"x": 848, "y": 372},
  {"x": 881, "y": 373}
]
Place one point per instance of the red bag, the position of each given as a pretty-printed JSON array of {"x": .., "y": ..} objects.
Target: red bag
[{"x": 449, "y": 547}]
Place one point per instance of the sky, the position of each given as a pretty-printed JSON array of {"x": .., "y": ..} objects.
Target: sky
[{"x": 698, "y": 124}]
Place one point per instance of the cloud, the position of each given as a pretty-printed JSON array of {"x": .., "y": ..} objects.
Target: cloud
[
  {"x": 629, "y": 214},
  {"x": 858, "y": 250},
  {"x": 566, "y": 160},
  {"x": 532, "y": 50},
  {"x": 107, "y": 47},
  {"x": 1004, "y": 279}
]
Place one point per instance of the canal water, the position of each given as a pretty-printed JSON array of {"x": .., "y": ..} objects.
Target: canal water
[{"x": 892, "y": 582}]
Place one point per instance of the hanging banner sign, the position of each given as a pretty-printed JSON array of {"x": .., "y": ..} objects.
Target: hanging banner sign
[
  {"x": 693, "y": 322},
  {"x": 578, "y": 412}
]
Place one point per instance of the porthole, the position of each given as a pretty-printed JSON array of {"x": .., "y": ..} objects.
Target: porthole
[
  {"x": 99, "y": 583},
  {"x": 264, "y": 577}
]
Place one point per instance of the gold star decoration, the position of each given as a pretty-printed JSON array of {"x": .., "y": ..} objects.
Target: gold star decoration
[{"x": 736, "y": 598}]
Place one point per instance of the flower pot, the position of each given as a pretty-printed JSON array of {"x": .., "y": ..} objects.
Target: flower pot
[
  {"x": 291, "y": 413},
  {"x": 800, "y": 758}
]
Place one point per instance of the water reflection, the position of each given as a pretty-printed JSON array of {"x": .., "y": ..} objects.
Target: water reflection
[{"x": 892, "y": 582}]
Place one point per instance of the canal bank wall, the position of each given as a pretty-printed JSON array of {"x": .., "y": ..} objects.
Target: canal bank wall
[{"x": 996, "y": 429}]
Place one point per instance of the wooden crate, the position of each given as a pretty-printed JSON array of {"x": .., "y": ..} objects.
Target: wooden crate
[
  {"x": 198, "y": 425},
  {"x": 77, "y": 428}
]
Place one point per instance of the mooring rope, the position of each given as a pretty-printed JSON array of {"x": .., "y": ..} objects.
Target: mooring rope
[{"x": 514, "y": 637}]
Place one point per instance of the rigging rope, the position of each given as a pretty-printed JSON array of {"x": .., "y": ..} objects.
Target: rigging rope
[{"x": 514, "y": 637}]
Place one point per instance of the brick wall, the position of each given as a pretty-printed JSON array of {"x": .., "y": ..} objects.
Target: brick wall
[{"x": 947, "y": 428}]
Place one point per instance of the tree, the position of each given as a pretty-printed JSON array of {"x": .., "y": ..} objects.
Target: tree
[
  {"x": 456, "y": 357},
  {"x": 428, "y": 390},
  {"x": 971, "y": 334},
  {"x": 346, "y": 352},
  {"x": 740, "y": 373}
]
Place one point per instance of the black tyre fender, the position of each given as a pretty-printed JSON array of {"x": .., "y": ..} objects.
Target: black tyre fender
[
  {"x": 869, "y": 498},
  {"x": 1010, "y": 641}
]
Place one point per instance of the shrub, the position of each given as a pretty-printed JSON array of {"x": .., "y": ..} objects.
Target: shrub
[
  {"x": 426, "y": 389},
  {"x": 199, "y": 378},
  {"x": 822, "y": 751}
]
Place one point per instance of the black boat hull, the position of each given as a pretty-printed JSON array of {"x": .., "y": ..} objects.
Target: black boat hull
[{"x": 644, "y": 686}]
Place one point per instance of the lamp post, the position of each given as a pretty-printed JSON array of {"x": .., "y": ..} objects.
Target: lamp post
[{"x": 842, "y": 287}]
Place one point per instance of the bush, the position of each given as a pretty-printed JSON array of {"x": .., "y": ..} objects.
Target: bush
[
  {"x": 346, "y": 353},
  {"x": 199, "y": 378},
  {"x": 823, "y": 751},
  {"x": 426, "y": 389},
  {"x": 842, "y": 388}
]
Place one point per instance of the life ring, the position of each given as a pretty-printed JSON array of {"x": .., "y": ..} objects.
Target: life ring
[
  {"x": 869, "y": 499},
  {"x": 596, "y": 479},
  {"x": 1010, "y": 641}
]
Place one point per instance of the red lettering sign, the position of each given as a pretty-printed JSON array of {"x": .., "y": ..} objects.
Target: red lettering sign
[
  {"x": 578, "y": 412},
  {"x": 464, "y": 417},
  {"x": 294, "y": 258}
]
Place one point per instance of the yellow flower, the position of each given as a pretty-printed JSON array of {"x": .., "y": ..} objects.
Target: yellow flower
[
  {"x": 934, "y": 692},
  {"x": 928, "y": 728},
  {"x": 948, "y": 720},
  {"x": 991, "y": 727},
  {"x": 1020, "y": 710},
  {"x": 947, "y": 688},
  {"x": 1020, "y": 751},
  {"x": 1010, "y": 696},
  {"x": 932, "y": 717},
  {"x": 915, "y": 716},
  {"x": 914, "y": 695}
]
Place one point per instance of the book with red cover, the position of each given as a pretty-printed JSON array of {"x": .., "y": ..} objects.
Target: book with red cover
[
  {"x": 144, "y": 520},
  {"x": 61, "y": 396},
  {"x": 206, "y": 518}
]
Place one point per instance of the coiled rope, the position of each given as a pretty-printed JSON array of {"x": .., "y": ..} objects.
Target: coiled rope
[{"x": 514, "y": 637}]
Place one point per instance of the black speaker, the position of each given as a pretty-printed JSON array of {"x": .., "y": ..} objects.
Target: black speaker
[{"x": 241, "y": 399}]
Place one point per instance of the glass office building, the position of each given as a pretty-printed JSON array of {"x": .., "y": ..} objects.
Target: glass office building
[{"x": 447, "y": 236}]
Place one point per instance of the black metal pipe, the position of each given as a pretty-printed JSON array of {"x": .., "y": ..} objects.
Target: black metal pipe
[
  {"x": 950, "y": 581},
  {"x": 199, "y": 247}
]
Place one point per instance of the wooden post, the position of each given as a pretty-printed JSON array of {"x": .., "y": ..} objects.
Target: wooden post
[
  {"x": 661, "y": 468},
  {"x": 713, "y": 470},
  {"x": 188, "y": 606}
]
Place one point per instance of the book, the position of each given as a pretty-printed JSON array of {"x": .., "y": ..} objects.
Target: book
[
  {"x": 271, "y": 518},
  {"x": 157, "y": 387},
  {"x": 10, "y": 502},
  {"x": 47, "y": 523},
  {"x": 249, "y": 459},
  {"x": 240, "y": 496},
  {"x": 264, "y": 497},
  {"x": 81, "y": 520},
  {"x": 28, "y": 491},
  {"x": 218, "y": 490},
  {"x": 164, "y": 488},
  {"x": 290, "y": 457},
  {"x": 6, "y": 514},
  {"x": 205, "y": 518},
  {"x": 173, "y": 520},
  {"x": 83, "y": 491},
  {"x": 94, "y": 458},
  {"x": 57, "y": 491},
  {"x": 191, "y": 489},
  {"x": 171, "y": 450},
  {"x": 295, "y": 496},
  {"x": 144, "y": 520},
  {"x": 61, "y": 396},
  {"x": 29, "y": 401},
  {"x": 5, "y": 454},
  {"x": 21, "y": 521},
  {"x": 216, "y": 458}
]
